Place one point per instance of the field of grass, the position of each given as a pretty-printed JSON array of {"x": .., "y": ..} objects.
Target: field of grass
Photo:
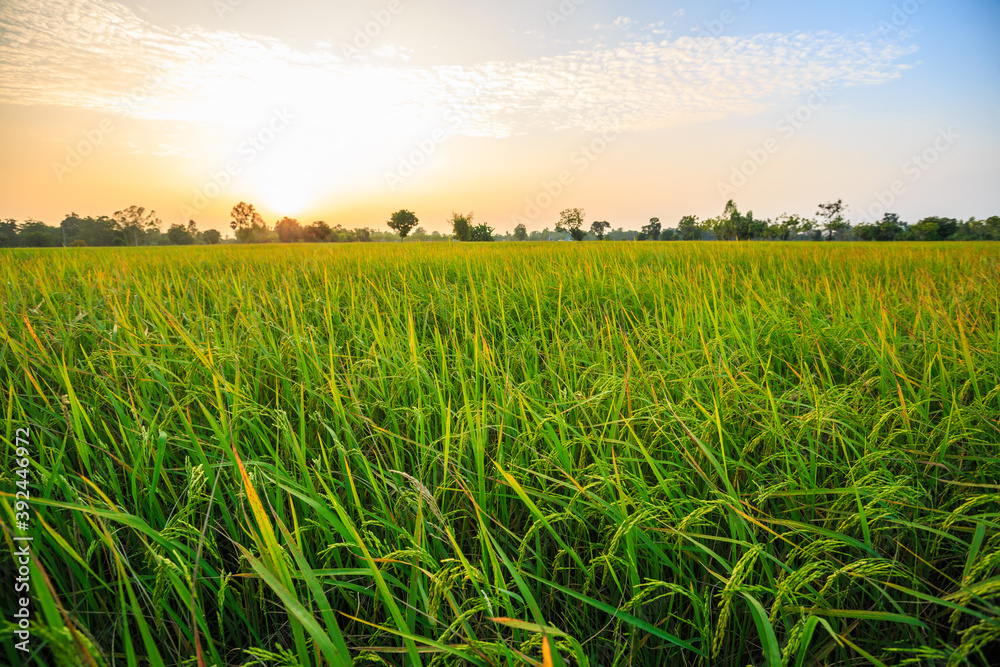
[{"x": 590, "y": 454}]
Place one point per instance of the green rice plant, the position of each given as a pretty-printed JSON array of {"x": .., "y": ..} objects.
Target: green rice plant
[{"x": 598, "y": 454}]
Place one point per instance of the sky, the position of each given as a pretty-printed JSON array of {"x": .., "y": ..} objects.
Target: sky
[{"x": 347, "y": 112}]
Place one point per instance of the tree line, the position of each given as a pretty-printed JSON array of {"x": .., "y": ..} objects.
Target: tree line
[
  {"x": 135, "y": 226},
  {"x": 829, "y": 224}
]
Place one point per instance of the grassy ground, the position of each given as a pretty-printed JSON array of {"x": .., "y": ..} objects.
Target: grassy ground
[{"x": 634, "y": 454}]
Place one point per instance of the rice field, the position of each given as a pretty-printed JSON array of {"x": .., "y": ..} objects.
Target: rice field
[{"x": 514, "y": 454}]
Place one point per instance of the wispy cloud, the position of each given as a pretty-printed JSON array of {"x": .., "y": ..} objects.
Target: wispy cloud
[{"x": 91, "y": 53}]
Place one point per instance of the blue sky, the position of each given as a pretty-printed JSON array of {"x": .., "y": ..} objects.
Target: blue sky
[{"x": 515, "y": 110}]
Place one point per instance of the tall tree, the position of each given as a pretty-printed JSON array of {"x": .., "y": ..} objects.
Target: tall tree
[
  {"x": 289, "y": 230},
  {"x": 247, "y": 223},
  {"x": 571, "y": 221},
  {"x": 136, "y": 223},
  {"x": 832, "y": 217},
  {"x": 689, "y": 229},
  {"x": 8, "y": 233},
  {"x": 521, "y": 232},
  {"x": 600, "y": 228},
  {"x": 651, "y": 232},
  {"x": 461, "y": 226},
  {"x": 402, "y": 222}
]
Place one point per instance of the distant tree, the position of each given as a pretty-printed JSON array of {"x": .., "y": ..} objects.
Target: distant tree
[
  {"x": 212, "y": 236},
  {"x": 521, "y": 232},
  {"x": 600, "y": 228},
  {"x": 79, "y": 243},
  {"x": 102, "y": 231},
  {"x": 402, "y": 222},
  {"x": 689, "y": 229},
  {"x": 248, "y": 223},
  {"x": 786, "y": 227},
  {"x": 979, "y": 230},
  {"x": 809, "y": 226},
  {"x": 36, "y": 234},
  {"x": 289, "y": 230},
  {"x": 363, "y": 234},
  {"x": 481, "y": 233},
  {"x": 936, "y": 229},
  {"x": 832, "y": 217},
  {"x": 8, "y": 233},
  {"x": 651, "y": 232},
  {"x": 726, "y": 226},
  {"x": 179, "y": 235},
  {"x": 461, "y": 226},
  {"x": 754, "y": 228},
  {"x": 866, "y": 232},
  {"x": 734, "y": 226},
  {"x": 136, "y": 223},
  {"x": 890, "y": 228},
  {"x": 570, "y": 221},
  {"x": 669, "y": 235},
  {"x": 317, "y": 232},
  {"x": 992, "y": 226}
]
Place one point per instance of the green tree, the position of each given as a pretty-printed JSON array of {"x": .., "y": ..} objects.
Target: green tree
[
  {"x": 735, "y": 226},
  {"x": 600, "y": 228},
  {"x": 481, "y": 233},
  {"x": 651, "y": 232},
  {"x": 136, "y": 223},
  {"x": 179, "y": 235},
  {"x": 247, "y": 223},
  {"x": 570, "y": 221},
  {"x": 521, "y": 232},
  {"x": 985, "y": 230},
  {"x": 890, "y": 228},
  {"x": 936, "y": 229},
  {"x": 36, "y": 234},
  {"x": 8, "y": 233},
  {"x": 832, "y": 218},
  {"x": 787, "y": 227},
  {"x": 689, "y": 229},
  {"x": 212, "y": 236},
  {"x": 461, "y": 226},
  {"x": 402, "y": 222}
]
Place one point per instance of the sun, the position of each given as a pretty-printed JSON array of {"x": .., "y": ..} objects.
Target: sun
[
  {"x": 285, "y": 191},
  {"x": 286, "y": 202}
]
